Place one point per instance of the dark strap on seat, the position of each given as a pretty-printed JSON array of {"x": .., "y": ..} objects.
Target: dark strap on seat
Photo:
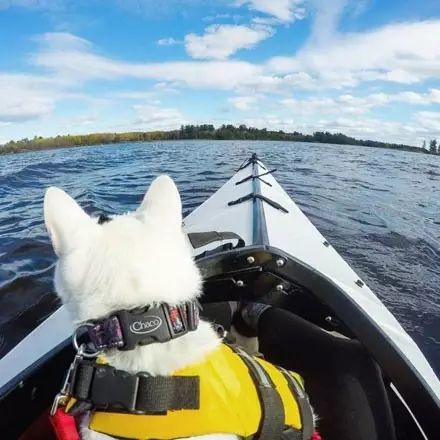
[
  {"x": 108, "y": 389},
  {"x": 272, "y": 409},
  {"x": 303, "y": 404},
  {"x": 199, "y": 239}
]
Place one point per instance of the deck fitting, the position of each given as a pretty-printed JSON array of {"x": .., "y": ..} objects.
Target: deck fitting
[
  {"x": 252, "y": 160},
  {"x": 280, "y": 262}
]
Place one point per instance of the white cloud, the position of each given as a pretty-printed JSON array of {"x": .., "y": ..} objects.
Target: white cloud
[
  {"x": 25, "y": 97},
  {"x": 81, "y": 64},
  {"x": 136, "y": 95},
  {"x": 166, "y": 87},
  {"x": 359, "y": 127},
  {"x": 424, "y": 125},
  {"x": 362, "y": 57},
  {"x": 170, "y": 41},
  {"x": 217, "y": 17},
  {"x": 220, "y": 41},
  {"x": 378, "y": 99},
  {"x": 283, "y": 10},
  {"x": 402, "y": 53},
  {"x": 152, "y": 117},
  {"x": 62, "y": 41},
  {"x": 85, "y": 120},
  {"x": 366, "y": 128},
  {"x": 350, "y": 104},
  {"x": 326, "y": 17},
  {"x": 429, "y": 121},
  {"x": 243, "y": 102},
  {"x": 431, "y": 97},
  {"x": 321, "y": 106},
  {"x": 266, "y": 21}
]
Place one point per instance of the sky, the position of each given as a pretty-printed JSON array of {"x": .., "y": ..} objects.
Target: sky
[{"x": 367, "y": 68}]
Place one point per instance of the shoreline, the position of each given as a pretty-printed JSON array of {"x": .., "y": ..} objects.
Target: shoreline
[{"x": 195, "y": 132}]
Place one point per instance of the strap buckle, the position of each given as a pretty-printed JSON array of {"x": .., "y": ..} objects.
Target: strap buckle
[
  {"x": 114, "y": 388},
  {"x": 63, "y": 395}
]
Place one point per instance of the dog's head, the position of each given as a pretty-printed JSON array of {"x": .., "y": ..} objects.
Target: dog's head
[{"x": 136, "y": 259}]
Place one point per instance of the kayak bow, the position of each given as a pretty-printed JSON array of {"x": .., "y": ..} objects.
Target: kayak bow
[{"x": 255, "y": 206}]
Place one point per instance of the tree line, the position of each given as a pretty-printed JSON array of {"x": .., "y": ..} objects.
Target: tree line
[
  {"x": 204, "y": 131},
  {"x": 433, "y": 148}
]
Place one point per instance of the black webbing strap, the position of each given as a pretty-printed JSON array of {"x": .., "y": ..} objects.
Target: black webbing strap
[
  {"x": 291, "y": 434},
  {"x": 254, "y": 196},
  {"x": 303, "y": 404},
  {"x": 199, "y": 239},
  {"x": 252, "y": 160},
  {"x": 272, "y": 409},
  {"x": 108, "y": 389},
  {"x": 259, "y": 176}
]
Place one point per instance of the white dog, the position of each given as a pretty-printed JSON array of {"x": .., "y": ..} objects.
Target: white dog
[{"x": 134, "y": 260}]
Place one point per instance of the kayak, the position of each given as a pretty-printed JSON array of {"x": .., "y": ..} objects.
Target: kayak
[{"x": 367, "y": 377}]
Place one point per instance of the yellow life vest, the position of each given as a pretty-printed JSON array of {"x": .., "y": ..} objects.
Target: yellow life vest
[{"x": 229, "y": 403}]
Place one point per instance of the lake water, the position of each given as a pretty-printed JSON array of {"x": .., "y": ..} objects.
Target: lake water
[{"x": 379, "y": 208}]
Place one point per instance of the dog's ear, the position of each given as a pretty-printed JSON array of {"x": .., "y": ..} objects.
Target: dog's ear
[
  {"x": 163, "y": 200},
  {"x": 64, "y": 219}
]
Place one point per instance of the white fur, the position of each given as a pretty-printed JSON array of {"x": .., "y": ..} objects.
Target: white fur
[{"x": 134, "y": 260}]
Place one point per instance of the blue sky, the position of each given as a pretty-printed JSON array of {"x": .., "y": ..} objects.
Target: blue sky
[{"x": 367, "y": 68}]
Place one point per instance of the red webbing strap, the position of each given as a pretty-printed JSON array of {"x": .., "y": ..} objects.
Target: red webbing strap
[{"x": 64, "y": 426}]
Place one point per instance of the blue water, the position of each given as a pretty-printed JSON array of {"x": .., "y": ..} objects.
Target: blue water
[{"x": 379, "y": 208}]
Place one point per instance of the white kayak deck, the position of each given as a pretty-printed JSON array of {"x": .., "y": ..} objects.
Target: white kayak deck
[{"x": 293, "y": 233}]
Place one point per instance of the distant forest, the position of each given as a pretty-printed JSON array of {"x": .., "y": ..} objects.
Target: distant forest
[{"x": 206, "y": 131}]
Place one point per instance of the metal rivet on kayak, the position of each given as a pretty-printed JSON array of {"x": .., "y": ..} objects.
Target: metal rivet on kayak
[
  {"x": 280, "y": 262},
  {"x": 328, "y": 319},
  {"x": 239, "y": 283},
  {"x": 359, "y": 283},
  {"x": 250, "y": 259},
  {"x": 279, "y": 287}
]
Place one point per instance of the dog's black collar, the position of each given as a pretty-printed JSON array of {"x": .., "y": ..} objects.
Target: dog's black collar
[{"x": 126, "y": 329}]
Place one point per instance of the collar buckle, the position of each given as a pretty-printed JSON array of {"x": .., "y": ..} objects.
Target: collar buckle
[{"x": 126, "y": 329}]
